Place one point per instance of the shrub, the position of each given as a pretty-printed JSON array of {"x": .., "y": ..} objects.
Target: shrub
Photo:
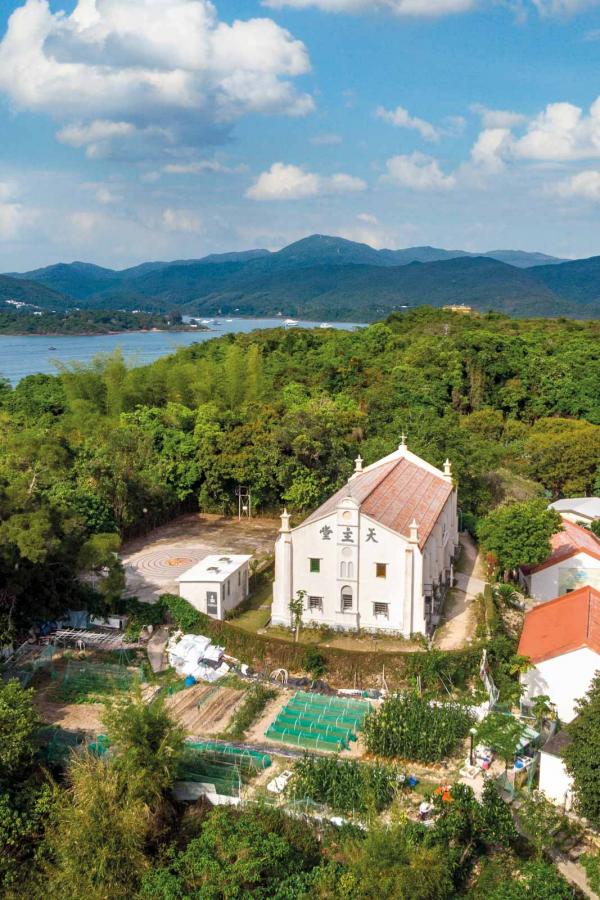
[
  {"x": 314, "y": 662},
  {"x": 410, "y": 727},
  {"x": 183, "y": 614},
  {"x": 257, "y": 698}
]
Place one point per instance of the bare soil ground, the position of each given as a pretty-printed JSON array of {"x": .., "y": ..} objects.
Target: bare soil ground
[
  {"x": 153, "y": 562},
  {"x": 202, "y": 711},
  {"x": 70, "y": 716},
  {"x": 256, "y": 733}
]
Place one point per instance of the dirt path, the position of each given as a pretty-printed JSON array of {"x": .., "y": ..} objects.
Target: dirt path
[{"x": 459, "y": 622}]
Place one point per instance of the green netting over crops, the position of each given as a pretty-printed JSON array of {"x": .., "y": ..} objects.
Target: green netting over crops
[
  {"x": 224, "y": 776},
  {"x": 310, "y": 726},
  {"x": 243, "y": 756},
  {"x": 56, "y": 744},
  {"x": 313, "y": 741},
  {"x": 84, "y": 682},
  {"x": 315, "y": 721}
]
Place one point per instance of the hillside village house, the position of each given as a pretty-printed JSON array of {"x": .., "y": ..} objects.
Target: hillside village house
[
  {"x": 562, "y": 640},
  {"x": 216, "y": 584},
  {"x": 574, "y": 561},
  {"x": 578, "y": 509},
  {"x": 378, "y": 554}
]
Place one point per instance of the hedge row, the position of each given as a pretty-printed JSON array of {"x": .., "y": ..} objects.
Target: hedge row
[{"x": 343, "y": 667}]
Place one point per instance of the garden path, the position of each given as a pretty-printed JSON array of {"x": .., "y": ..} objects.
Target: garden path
[{"x": 459, "y": 621}]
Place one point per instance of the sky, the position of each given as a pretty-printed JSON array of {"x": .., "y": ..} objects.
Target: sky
[{"x": 135, "y": 130}]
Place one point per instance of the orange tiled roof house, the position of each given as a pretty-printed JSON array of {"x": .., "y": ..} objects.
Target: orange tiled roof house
[
  {"x": 378, "y": 554},
  {"x": 562, "y": 640}
]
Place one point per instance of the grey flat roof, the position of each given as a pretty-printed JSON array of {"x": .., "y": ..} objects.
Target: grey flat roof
[
  {"x": 216, "y": 567},
  {"x": 557, "y": 743}
]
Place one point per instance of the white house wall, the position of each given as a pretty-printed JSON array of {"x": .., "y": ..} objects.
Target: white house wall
[
  {"x": 570, "y": 574},
  {"x": 230, "y": 593},
  {"x": 564, "y": 679},
  {"x": 349, "y": 539},
  {"x": 555, "y": 781}
]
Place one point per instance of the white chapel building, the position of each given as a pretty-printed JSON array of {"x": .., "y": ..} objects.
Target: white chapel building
[{"x": 378, "y": 554}]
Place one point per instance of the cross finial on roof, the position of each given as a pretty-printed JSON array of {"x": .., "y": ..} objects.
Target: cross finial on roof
[{"x": 403, "y": 445}]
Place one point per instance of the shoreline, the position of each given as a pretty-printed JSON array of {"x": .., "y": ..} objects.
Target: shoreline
[{"x": 53, "y": 334}]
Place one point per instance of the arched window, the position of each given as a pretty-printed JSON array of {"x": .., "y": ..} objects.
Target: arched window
[
  {"x": 347, "y": 598},
  {"x": 350, "y": 570},
  {"x": 343, "y": 570}
]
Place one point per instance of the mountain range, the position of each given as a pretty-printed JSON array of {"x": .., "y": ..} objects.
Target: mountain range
[{"x": 322, "y": 277}]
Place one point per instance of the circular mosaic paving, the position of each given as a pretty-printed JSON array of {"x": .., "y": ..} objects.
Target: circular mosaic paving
[{"x": 160, "y": 563}]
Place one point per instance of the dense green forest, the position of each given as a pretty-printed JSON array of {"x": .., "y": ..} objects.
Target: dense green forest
[
  {"x": 324, "y": 277},
  {"x": 107, "y": 449},
  {"x": 88, "y": 321}
]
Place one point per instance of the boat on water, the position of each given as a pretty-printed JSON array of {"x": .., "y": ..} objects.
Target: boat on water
[
  {"x": 51, "y": 348},
  {"x": 290, "y": 323},
  {"x": 324, "y": 325},
  {"x": 207, "y": 321},
  {"x": 229, "y": 320}
]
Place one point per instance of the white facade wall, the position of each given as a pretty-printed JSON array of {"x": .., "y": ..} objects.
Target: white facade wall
[
  {"x": 564, "y": 679},
  {"x": 229, "y": 593},
  {"x": 349, "y": 545},
  {"x": 572, "y": 573},
  {"x": 555, "y": 781}
]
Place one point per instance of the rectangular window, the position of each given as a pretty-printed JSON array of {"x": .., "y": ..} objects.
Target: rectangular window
[
  {"x": 212, "y": 607},
  {"x": 381, "y": 570},
  {"x": 229, "y": 588},
  {"x": 315, "y": 603},
  {"x": 381, "y": 609},
  {"x": 239, "y": 578},
  {"x": 315, "y": 565},
  {"x": 346, "y": 604}
]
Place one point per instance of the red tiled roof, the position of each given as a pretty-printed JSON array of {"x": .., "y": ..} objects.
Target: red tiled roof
[
  {"x": 571, "y": 540},
  {"x": 562, "y": 625},
  {"x": 394, "y": 493}
]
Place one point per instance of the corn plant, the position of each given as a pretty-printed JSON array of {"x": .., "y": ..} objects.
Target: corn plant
[
  {"x": 411, "y": 728},
  {"x": 345, "y": 786}
]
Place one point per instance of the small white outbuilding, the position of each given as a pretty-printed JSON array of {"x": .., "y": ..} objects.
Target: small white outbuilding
[
  {"x": 555, "y": 781},
  {"x": 578, "y": 509},
  {"x": 216, "y": 584}
]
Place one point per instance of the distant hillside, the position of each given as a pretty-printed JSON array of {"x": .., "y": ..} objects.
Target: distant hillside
[
  {"x": 325, "y": 277},
  {"x": 577, "y": 281},
  {"x": 31, "y": 292}
]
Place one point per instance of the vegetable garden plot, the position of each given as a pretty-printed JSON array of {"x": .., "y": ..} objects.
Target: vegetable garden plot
[
  {"x": 84, "y": 682},
  {"x": 314, "y": 721},
  {"x": 410, "y": 727},
  {"x": 345, "y": 786}
]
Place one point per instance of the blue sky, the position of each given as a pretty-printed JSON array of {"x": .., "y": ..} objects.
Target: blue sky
[{"x": 162, "y": 129}]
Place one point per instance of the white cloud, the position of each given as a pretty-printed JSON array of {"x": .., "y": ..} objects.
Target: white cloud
[
  {"x": 202, "y": 165},
  {"x": 368, "y": 218},
  {"x": 417, "y": 172},
  {"x": 416, "y": 8},
  {"x": 497, "y": 118},
  {"x": 289, "y": 182},
  {"x": 401, "y": 118},
  {"x": 562, "y": 132},
  {"x": 326, "y": 140},
  {"x": 111, "y": 70},
  {"x": 490, "y": 148},
  {"x": 584, "y": 184},
  {"x": 14, "y": 217},
  {"x": 181, "y": 220}
]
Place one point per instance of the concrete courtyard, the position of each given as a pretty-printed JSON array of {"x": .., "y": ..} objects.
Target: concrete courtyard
[{"x": 153, "y": 562}]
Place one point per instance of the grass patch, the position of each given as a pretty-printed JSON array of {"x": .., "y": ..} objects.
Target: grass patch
[
  {"x": 255, "y": 612},
  {"x": 256, "y": 700}
]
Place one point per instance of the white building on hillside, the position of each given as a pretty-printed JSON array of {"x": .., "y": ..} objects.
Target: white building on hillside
[
  {"x": 578, "y": 509},
  {"x": 378, "y": 554},
  {"x": 574, "y": 561},
  {"x": 562, "y": 640},
  {"x": 216, "y": 584},
  {"x": 555, "y": 781}
]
